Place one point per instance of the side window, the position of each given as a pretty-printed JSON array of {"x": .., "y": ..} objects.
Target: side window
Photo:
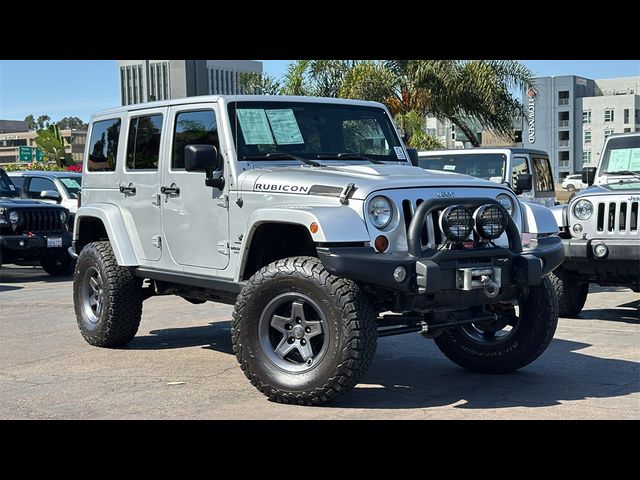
[
  {"x": 520, "y": 165},
  {"x": 103, "y": 146},
  {"x": 543, "y": 181},
  {"x": 193, "y": 128},
  {"x": 38, "y": 184},
  {"x": 18, "y": 182},
  {"x": 143, "y": 145}
]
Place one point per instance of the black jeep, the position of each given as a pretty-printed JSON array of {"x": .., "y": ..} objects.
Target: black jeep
[{"x": 33, "y": 230}]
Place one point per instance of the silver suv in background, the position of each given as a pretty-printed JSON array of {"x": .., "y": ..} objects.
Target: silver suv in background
[
  {"x": 572, "y": 183},
  {"x": 307, "y": 215},
  {"x": 599, "y": 226},
  {"x": 53, "y": 187},
  {"x": 528, "y": 172}
]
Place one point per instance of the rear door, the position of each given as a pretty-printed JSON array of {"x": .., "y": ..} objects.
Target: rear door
[{"x": 140, "y": 180}]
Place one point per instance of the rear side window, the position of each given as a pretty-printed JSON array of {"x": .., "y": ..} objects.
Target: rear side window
[
  {"x": 103, "y": 146},
  {"x": 193, "y": 128},
  {"x": 143, "y": 146},
  {"x": 543, "y": 179}
]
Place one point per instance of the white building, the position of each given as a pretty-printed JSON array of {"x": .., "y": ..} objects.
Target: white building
[{"x": 149, "y": 80}]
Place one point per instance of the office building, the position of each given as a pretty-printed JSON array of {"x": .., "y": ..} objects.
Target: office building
[
  {"x": 149, "y": 80},
  {"x": 12, "y": 141}
]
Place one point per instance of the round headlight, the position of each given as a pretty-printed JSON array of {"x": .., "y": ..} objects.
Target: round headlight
[
  {"x": 14, "y": 217},
  {"x": 63, "y": 216},
  {"x": 456, "y": 222},
  {"x": 583, "y": 209},
  {"x": 505, "y": 200},
  {"x": 490, "y": 221},
  {"x": 380, "y": 212}
]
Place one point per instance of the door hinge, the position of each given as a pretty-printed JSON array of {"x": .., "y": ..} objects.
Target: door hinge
[
  {"x": 156, "y": 241},
  {"x": 223, "y": 201},
  {"x": 223, "y": 247}
]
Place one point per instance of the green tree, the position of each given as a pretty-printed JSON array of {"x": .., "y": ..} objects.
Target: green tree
[
  {"x": 50, "y": 141},
  {"x": 71, "y": 123},
  {"x": 43, "y": 121},
  {"x": 31, "y": 122}
]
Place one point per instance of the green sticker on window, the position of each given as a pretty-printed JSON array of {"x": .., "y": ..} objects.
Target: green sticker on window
[
  {"x": 634, "y": 161},
  {"x": 255, "y": 126},
  {"x": 285, "y": 126},
  {"x": 619, "y": 160},
  {"x": 70, "y": 182}
]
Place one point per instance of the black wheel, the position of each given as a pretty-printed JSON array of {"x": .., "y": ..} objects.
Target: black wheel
[
  {"x": 571, "y": 293},
  {"x": 107, "y": 298},
  {"x": 56, "y": 265},
  {"x": 571, "y": 187},
  {"x": 302, "y": 335},
  {"x": 510, "y": 342}
]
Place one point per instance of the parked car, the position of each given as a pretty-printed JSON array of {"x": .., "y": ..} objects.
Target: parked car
[
  {"x": 306, "y": 214},
  {"x": 32, "y": 184},
  {"x": 572, "y": 182},
  {"x": 33, "y": 230},
  {"x": 527, "y": 171}
]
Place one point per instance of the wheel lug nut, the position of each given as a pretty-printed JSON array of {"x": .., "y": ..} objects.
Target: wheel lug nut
[
  {"x": 291, "y": 340},
  {"x": 309, "y": 362},
  {"x": 303, "y": 342},
  {"x": 298, "y": 320},
  {"x": 308, "y": 329}
]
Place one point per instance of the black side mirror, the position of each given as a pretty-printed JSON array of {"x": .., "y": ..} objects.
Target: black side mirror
[
  {"x": 205, "y": 158},
  {"x": 50, "y": 195},
  {"x": 589, "y": 175},
  {"x": 523, "y": 183},
  {"x": 413, "y": 156}
]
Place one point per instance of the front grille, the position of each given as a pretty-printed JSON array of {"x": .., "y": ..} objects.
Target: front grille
[
  {"x": 431, "y": 234},
  {"x": 41, "y": 220},
  {"x": 617, "y": 217}
]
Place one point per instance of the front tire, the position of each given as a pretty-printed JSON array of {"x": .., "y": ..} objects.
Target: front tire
[
  {"x": 571, "y": 293},
  {"x": 57, "y": 265},
  {"x": 107, "y": 297},
  {"x": 302, "y": 335},
  {"x": 485, "y": 348}
]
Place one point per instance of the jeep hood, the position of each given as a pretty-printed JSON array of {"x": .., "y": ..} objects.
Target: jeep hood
[
  {"x": 627, "y": 187},
  {"x": 331, "y": 180},
  {"x": 12, "y": 202}
]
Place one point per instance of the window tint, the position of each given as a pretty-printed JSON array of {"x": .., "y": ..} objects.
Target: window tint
[
  {"x": 520, "y": 165},
  {"x": 143, "y": 145},
  {"x": 543, "y": 179},
  {"x": 38, "y": 184},
  {"x": 18, "y": 182},
  {"x": 364, "y": 135},
  {"x": 193, "y": 128},
  {"x": 103, "y": 146}
]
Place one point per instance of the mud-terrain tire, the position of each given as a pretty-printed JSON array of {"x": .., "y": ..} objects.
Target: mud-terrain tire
[
  {"x": 301, "y": 335},
  {"x": 571, "y": 293}
]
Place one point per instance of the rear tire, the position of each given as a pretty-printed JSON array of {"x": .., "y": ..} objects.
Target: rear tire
[
  {"x": 532, "y": 332},
  {"x": 281, "y": 302},
  {"x": 57, "y": 265},
  {"x": 107, "y": 297},
  {"x": 571, "y": 293}
]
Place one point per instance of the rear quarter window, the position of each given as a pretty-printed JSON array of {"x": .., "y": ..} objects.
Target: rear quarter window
[
  {"x": 543, "y": 179},
  {"x": 103, "y": 146}
]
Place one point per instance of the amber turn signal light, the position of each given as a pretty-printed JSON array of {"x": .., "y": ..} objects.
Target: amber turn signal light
[{"x": 381, "y": 243}]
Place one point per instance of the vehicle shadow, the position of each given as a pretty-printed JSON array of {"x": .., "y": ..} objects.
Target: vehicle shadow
[
  {"x": 625, "y": 313},
  {"x": 29, "y": 275},
  {"x": 214, "y": 336},
  {"x": 409, "y": 372}
]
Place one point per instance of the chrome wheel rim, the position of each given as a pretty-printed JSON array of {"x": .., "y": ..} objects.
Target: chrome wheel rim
[
  {"x": 293, "y": 332},
  {"x": 92, "y": 296}
]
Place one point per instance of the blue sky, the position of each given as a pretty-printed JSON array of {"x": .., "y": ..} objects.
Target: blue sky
[{"x": 61, "y": 88}]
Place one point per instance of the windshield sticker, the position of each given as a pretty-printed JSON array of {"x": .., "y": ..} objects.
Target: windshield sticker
[
  {"x": 449, "y": 167},
  {"x": 12, "y": 188},
  {"x": 70, "y": 183},
  {"x": 255, "y": 126},
  {"x": 285, "y": 127},
  {"x": 624, "y": 159},
  {"x": 400, "y": 153}
]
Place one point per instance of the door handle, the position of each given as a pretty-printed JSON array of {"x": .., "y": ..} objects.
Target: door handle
[
  {"x": 128, "y": 190},
  {"x": 172, "y": 190}
]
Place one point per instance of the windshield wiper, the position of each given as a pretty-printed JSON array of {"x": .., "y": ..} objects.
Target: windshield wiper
[
  {"x": 281, "y": 156},
  {"x": 624, "y": 172},
  {"x": 349, "y": 156}
]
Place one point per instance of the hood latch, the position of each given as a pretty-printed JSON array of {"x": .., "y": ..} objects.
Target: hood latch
[{"x": 347, "y": 192}]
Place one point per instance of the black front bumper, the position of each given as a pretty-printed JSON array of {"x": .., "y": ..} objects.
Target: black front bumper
[
  {"x": 622, "y": 260},
  {"x": 32, "y": 246}
]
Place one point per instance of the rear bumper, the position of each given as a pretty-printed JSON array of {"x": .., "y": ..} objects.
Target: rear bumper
[{"x": 440, "y": 272}]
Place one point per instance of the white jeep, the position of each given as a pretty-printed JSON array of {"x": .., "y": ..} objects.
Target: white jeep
[{"x": 307, "y": 214}]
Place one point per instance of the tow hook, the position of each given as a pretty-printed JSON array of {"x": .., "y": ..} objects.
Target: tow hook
[{"x": 491, "y": 288}]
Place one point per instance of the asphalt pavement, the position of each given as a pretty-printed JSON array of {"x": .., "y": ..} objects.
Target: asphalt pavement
[{"x": 180, "y": 365}]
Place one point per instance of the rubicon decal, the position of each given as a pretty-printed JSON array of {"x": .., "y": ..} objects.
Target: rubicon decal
[{"x": 273, "y": 187}]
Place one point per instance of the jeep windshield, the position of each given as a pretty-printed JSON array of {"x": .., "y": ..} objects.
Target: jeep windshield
[
  {"x": 622, "y": 156},
  {"x": 313, "y": 131},
  {"x": 489, "y": 166},
  {"x": 7, "y": 188}
]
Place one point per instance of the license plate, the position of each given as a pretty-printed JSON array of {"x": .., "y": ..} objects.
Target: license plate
[{"x": 54, "y": 242}]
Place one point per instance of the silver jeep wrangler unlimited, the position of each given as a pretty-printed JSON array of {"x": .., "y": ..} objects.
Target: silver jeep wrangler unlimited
[
  {"x": 307, "y": 214},
  {"x": 599, "y": 227}
]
